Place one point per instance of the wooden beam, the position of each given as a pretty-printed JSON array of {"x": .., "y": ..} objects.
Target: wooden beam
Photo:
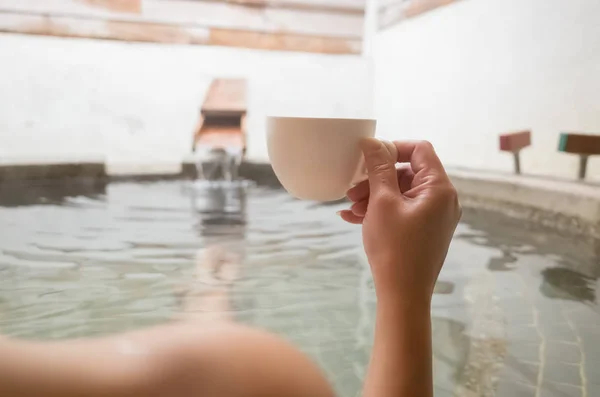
[
  {"x": 172, "y": 34},
  {"x": 129, "y": 6},
  {"x": 332, "y": 6},
  {"x": 285, "y": 42},
  {"x": 100, "y": 29},
  {"x": 199, "y": 14}
]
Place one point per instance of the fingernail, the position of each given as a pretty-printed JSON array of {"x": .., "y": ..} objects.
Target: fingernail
[{"x": 339, "y": 213}]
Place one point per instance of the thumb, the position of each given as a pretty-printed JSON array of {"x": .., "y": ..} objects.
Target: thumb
[{"x": 381, "y": 166}]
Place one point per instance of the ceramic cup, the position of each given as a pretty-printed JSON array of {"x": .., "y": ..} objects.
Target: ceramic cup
[{"x": 317, "y": 158}]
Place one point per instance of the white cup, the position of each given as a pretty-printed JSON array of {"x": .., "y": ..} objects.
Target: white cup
[{"x": 317, "y": 158}]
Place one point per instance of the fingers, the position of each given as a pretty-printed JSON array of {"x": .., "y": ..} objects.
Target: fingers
[
  {"x": 404, "y": 175},
  {"x": 420, "y": 155},
  {"x": 349, "y": 217},
  {"x": 386, "y": 177},
  {"x": 359, "y": 192},
  {"x": 360, "y": 208},
  {"x": 381, "y": 166}
]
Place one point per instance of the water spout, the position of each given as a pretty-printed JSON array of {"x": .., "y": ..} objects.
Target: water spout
[{"x": 218, "y": 164}]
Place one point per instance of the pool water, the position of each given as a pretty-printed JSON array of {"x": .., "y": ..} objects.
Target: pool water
[{"x": 514, "y": 314}]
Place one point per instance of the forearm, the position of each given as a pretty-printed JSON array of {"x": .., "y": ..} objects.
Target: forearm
[{"x": 401, "y": 360}]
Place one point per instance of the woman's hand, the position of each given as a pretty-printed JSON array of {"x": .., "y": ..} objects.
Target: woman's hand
[{"x": 408, "y": 214}]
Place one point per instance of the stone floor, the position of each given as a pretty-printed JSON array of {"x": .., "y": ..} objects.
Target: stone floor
[{"x": 548, "y": 303}]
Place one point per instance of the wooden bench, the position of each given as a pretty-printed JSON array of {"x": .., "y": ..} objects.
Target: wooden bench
[
  {"x": 514, "y": 142},
  {"x": 584, "y": 145}
]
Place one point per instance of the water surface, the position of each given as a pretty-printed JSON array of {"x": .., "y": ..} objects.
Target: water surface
[{"x": 515, "y": 311}]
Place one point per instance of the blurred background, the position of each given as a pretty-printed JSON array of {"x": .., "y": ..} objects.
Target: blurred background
[
  {"x": 123, "y": 80},
  {"x": 132, "y": 139}
]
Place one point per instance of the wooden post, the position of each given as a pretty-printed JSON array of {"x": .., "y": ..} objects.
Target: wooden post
[
  {"x": 583, "y": 159},
  {"x": 517, "y": 159}
]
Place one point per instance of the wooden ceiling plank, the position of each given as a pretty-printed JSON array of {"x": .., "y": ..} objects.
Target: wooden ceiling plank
[
  {"x": 171, "y": 34},
  {"x": 331, "y": 6},
  {"x": 203, "y": 14}
]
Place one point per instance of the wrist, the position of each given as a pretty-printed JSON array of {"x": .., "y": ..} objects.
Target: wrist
[
  {"x": 395, "y": 300},
  {"x": 399, "y": 286}
]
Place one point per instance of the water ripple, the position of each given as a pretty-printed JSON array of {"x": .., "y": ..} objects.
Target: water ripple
[{"x": 129, "y": 256}]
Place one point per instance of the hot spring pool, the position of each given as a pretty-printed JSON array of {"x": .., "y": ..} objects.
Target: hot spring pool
[{"x": 515, "y": 309}]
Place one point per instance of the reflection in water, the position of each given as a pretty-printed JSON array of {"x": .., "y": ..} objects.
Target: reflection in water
[
  {"x": 207, "y": 297},
  {"x": 514, "y": 238},
  {"x": 501, "y": 264},
  {"x": 450, "y": 349},
  {"x": 561, "y": 283},
  {"x": 219, "y": 205}
]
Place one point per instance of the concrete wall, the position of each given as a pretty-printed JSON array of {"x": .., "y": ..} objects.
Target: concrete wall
[
  {"x": 137, "y": 104},
  {"x": 462, "y": 74}
]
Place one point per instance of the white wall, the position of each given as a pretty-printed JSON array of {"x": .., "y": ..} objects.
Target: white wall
[
  {"x": 462, "y": 74},
  {"x": 137, "y": 104}
]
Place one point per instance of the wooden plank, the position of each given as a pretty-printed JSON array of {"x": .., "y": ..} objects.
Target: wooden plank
[
  {"x": 286, "y": 42},
  {"x": 222, "y": 120},
  {"x": 577, "y": 143},
  {"x": 227, "y": 16},
  {"x": 99, "y": 29},
  {"x": 333, "y": 6},
  {"x": 515, "y": 141},
  {"x": 221, "y": 138},
  {"x": 202, "y": 15},
  {"x": 172, "y": 34},
  {"x": 395, "y": 11},
  {"x": 226, "y": 95},
  {"x": 130, "y": 6}
]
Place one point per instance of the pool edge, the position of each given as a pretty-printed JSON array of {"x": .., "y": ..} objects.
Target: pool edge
[
  {"x": 568, "y": 206},
  {"x": 565, "y": 206}
]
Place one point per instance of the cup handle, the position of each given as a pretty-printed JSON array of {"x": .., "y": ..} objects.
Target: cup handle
[{"x": 361, "y": 172}]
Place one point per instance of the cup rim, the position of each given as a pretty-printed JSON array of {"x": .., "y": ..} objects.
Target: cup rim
[{"x": 319, "y": 118}]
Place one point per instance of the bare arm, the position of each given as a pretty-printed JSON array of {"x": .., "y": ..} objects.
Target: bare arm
[
  {"x": 408, "y": 216},
  {"x": 401, "y": 357}
]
